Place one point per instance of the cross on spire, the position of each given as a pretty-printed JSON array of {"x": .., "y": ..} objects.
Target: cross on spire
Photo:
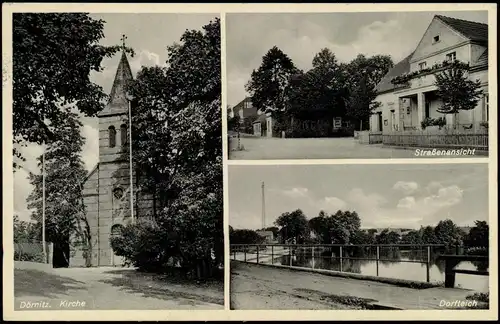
[{"x": 123, "y": 41}]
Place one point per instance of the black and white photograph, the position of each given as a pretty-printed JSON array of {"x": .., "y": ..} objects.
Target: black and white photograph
[
  {"x": 117, "y": 129},
  {"x": 359, "y": 237},
  {"x": 356, "y": 85},
  {"x": 242, "y": 161}
]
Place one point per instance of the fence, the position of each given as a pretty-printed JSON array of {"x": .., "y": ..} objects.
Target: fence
[
  {"x": 466, "y": 141},
  {"x": 274, "y": 253},
  {"x": 374, "y": 138},
  {"x": 33, "y": 252}
]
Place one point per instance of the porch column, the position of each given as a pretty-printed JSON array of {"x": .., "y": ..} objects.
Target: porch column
[
  {"x": 400, "y": 115},
  {"x": 420, "y": 108}
]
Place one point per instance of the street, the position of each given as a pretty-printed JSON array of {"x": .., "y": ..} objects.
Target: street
[
  {"x": 263, "y": 148},
  {"x": 110, "y": 289},
  {"x": 262, "y": 287}
]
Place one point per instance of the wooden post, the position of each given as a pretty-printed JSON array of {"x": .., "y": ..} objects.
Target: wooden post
[
  {"x": 272, "y": 254},
  {"x": 428, "y": 264},
  {"x": 341, "y": 268},
  {"x": 378, "y": 257},
  {"x": 312, "y": 253},
  {"x": 258, "y": 248}
]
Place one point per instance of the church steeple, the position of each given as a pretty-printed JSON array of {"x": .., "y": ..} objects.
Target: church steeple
[{"x": 118, "y": 97}]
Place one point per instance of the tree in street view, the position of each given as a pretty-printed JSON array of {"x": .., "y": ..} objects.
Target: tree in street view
[
  {"x": 456, "y": 91},
  {"x": 245, "y": 236},
  {"x": 329, "y": 90},
  {"x": 177, "y": 144},
  {"x": 293, "y": 226},
  {"x": 365, "y": 73},
  {"x": 65, "y": 219},
  {"x": 53, "y": 55},
  {"x": 267, "y": 85}
]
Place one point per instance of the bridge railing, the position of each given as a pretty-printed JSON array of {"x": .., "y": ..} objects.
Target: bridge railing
[{"x": 284, "y": 254}]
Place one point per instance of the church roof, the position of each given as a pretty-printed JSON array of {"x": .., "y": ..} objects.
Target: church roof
[
  {"x": 470, "y": 29},
  {"x": 118, "y": 95}
]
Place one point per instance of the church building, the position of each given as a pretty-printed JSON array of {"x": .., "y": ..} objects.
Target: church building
[{"x": 107, "y": 189}]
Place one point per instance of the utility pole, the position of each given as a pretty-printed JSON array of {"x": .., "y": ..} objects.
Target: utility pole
[
  {"x": 129, "y": 100},
  {"x": 43, "y": 206}
]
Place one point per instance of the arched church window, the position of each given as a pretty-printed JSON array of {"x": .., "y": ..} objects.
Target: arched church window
[
  {"x": 118, "y": 193},
  {"x": 112, "y": 136},
  {"x": 123, "y": 134},
  {"x": 116, "y": 230}
]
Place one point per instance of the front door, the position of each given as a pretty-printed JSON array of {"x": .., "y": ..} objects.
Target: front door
[
  {"x": 116, "y": 261},
  {"x": 380, "y": 123}
]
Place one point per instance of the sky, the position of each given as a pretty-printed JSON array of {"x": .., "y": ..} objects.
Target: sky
[
  {"x": 384, "y": 196},
  {"x": 301, "y": 35},
  {"x": 149, "y": 35}
]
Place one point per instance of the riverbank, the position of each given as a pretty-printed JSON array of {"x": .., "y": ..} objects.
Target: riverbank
[{"x": 255, "y": 287}]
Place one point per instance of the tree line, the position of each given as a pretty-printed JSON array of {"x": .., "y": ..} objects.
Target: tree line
[
  {"x": 332, "y": 89},
  {"x": 329, "y": 89},
  {"x": 344, "y": 227}
]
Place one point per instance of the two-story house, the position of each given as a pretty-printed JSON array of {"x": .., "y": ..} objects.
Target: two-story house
[
  {"x": 244, "y": 109},
  {"x": 405, "y": 106}
]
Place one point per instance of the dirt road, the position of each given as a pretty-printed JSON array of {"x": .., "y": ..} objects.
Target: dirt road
[
  {"x": 110, "y": 289},
  {"x": 256, "y": 287}
]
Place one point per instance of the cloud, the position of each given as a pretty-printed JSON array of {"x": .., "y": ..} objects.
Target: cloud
[
  {"x": 297, "y": 192},
  {"x": 433, "y": 187},
  {"x": 302, "y": 36},
  {"x": 365, "y": 201},
  {"x": 144, "y": 58},
  {"x": 407, "y": 202},
  {"x": 406, "y": 187},
  {"x": 377, "y": 211},
  {"x": 446, "y": 197},
  {"x": 331, "y": 204}
]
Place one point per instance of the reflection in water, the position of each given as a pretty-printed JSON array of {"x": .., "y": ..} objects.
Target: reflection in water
[{"x": 393, "y": 263}]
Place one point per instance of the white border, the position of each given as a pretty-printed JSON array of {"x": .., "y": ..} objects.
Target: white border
[{"x": 222, "y": 9}]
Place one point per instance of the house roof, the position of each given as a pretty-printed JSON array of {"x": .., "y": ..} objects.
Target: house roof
[
  {"x": 483, "y": 59},
  {"x": 240, "y": 104},
  {"x": 470, "y": 29},
  {"x": 402, "y": 67}
]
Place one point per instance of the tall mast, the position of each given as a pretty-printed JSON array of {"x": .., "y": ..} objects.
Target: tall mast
[{"x": 263, "y": 207}]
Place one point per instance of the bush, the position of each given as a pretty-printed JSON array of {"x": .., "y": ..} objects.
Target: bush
[
  {"x": 480, "y": 297},
  {"x": 440, "y": 122},
  {"x": 26, "y": 256},
  {"x": 477, "y": 251}
]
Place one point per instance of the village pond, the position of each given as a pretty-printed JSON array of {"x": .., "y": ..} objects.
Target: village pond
[{"x": 408, "y": 263}]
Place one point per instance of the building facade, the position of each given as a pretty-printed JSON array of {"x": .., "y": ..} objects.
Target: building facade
[
  {"x": 404, "y": 107},
  {"x": 244, "y": 109},
  {"x": 107, "y": 189}
]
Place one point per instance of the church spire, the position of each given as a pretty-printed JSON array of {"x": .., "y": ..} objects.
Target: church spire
[{"x": 117, "y": 96}]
